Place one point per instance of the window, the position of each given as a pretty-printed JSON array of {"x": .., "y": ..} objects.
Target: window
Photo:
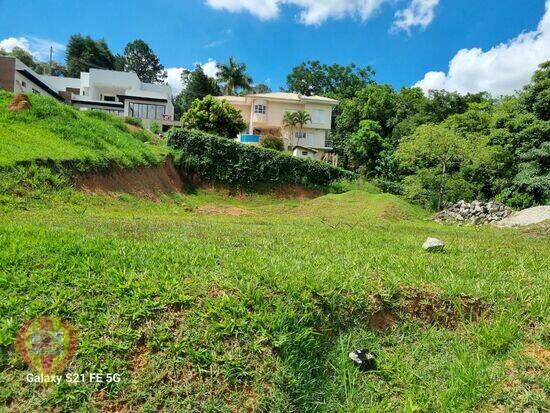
[
  {"x": 24, "y": 84},
  {"x": 109, "y": 98},
  {"x": 260, "y": 109},
  {"x": 147, "y": 111},
  {"x": 304, "y": 153},
  {"x": 318, "y": 116},
  {"x": 300, "y": 135}
]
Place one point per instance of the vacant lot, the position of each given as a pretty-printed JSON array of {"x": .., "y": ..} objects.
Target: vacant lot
[{"x": 209, "y": 303}]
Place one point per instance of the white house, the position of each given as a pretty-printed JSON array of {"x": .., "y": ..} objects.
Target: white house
[
  {"x": 264, "y": 113},
  {"x": 120, "y": 93}
]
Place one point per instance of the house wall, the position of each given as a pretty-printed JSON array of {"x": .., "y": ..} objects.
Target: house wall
[
  {"x": 24, "y": 85},
  {"x": 321, "y": 116},
  {"x": 276, "y": 111},
  {"x": 7, "y": 73}
]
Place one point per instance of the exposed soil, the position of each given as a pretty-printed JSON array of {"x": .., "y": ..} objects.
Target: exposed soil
[
  {"x": 219, "y": 210},
  {"x": 428, "y": 307},
  {"x": 144, "y": 182},
  {"x": 540, "y": 354}
]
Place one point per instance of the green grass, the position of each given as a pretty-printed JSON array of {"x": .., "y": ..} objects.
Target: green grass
[
  {"x": 211, "y": 312},
  {"x": 55, "y": 133}
]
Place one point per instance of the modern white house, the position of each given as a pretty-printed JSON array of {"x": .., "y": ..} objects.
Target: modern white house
[
  {"x": 264, "y": 113},
  {"x": 120, "y": 93}
]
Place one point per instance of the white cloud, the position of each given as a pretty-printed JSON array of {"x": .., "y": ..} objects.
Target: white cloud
[
  {"x": 210, "y": 68},
  {"x": 174, "y": 74},
  {"x": 501, "y": 70},
  {"x": 312, "y": 12},
  {"x": 39, "y": 48},
  {"x": 174, "y": 79},
  {"x": 419, "y": 13}
]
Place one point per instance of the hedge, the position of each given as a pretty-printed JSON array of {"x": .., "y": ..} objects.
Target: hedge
[{"x": 228, "y": 162}]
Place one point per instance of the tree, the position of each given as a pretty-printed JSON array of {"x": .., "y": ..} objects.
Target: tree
[
  {"x": 289, "y": 123},
  {"x": 272, "y": 142},
  {"x": 24, "y": 56},
  {"x": 433, "y": 152},
  {"x": 233, "y": 75},
  {"x": 301, "y": 118},
  {"x": 197, "y": 85},
  {"x": 214, "y": 116},
  {"x": 257, "y": 89},
  {"x": 442, "y": 104},
  {"x": 536, "y": 95},
  {"x": 364, "y": 147},
  {"x": 56, "y": 69},
  {"x": 341, "y": 82},
  {"x": 84, "y": 53},
  {"x": 139, "y": 58}
]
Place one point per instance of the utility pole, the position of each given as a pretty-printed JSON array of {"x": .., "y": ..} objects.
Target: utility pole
[{"x": 51, "y": 59}]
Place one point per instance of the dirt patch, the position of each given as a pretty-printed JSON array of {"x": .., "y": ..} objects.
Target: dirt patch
[
  {"x": 19, "y": 102},
  {"x": 140, "y": 359},
  {"x": 143, "y": 182},
  {"x": 540, "y": 354},
  {"x": 106, "y": 405},
  {"x": 133, "y": 128},
  {"x": 428, "y": 307},
  {"x": 219, "y": 210}
]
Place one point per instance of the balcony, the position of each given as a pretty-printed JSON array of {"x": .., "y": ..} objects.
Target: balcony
[{"x": 259, "y": 118}]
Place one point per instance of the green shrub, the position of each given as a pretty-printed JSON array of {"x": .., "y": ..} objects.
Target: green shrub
[
  {"x": 155, "y": 128},
  {"x": 133, "y": 121},
  {"x": 214, "y": 116},
  {"x": 272, "y": 142},
  {"x": 224, "y": 161}
]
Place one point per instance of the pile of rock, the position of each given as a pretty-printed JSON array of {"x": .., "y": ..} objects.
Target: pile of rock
[{"x": 475, "y": 212}]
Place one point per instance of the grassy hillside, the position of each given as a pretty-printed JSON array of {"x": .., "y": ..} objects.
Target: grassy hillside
[
  {"x": 56, "y": 133},
  {"x": 206, "y": 303}
]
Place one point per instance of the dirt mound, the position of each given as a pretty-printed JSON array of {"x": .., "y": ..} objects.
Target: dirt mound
[
  {"x": 144, "y": 182},
  {"x": 219, "y": 210},
  {"x": 427, "y": 307},
  {"x": 19, "y": 102}
]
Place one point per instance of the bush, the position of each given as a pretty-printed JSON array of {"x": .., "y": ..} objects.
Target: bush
[
  {"x": 214, "y": 116},
  {"x": 227, "y": 162},
  {"x": 133, "y": 121},
  {"x": 272, "y": 142},
  {"x": 155, "y": 128}
]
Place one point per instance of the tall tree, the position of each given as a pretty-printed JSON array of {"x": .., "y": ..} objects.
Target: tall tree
[
  {"x": 257, "y": 89},
  {"x": 301, "y": 118},
  {"x": 140, "y": 58},
  {"x": 84, "y": 53},
  {"x": 340, "y": 82},
  {"x": 233, "y": 76},
  {"x": 197, "y": 85},
  {"x": 23, "y": 56}
]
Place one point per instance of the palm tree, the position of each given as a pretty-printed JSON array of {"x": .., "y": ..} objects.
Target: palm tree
[
  {"x": 301, "y": 118},
  {"x": 289, "y": 122},
  {"x": 233, "y": 75}
]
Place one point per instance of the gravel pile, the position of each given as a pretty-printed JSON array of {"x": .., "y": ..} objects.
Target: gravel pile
[{"x": 475, "y": 212}]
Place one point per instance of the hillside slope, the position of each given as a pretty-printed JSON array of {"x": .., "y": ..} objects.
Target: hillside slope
[
  {"x": 207, "y": 303},
  {"x": 51, "y": 132}
]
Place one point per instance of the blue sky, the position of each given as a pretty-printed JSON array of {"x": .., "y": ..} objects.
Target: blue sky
[{"x": 272, "y": 36}]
